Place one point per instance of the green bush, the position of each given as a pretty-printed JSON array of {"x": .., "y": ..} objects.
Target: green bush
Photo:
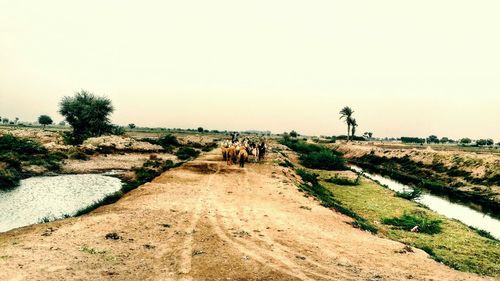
[
  {"x": 78, "y": 155},
  {"x": 316, "y": 156},
  {"x": 117, "y": 130},
  {"x": 9, "y": 177},
  {"x": 410, "y": 195},
  {"x": 324, "y": 159},
  {"x": 16, "y": 151},
  {"x": 209, "y": 147},
  {"x": 185, "y": 153},
  {"x": 409, "y": 221},
  {"x": 300, "y": 146},
  {"x": 308, "y": 177},
  {"x": 9, "y": 143},
  {"x": 286, "y": 164},
  {"x": 344, "y": 180},
  {"x": 168, "y": 140}
]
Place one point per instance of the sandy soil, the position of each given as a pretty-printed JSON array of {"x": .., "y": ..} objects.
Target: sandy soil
[
  {"x": 208, "y": 221},
  {"x": 108, "y": 162}
]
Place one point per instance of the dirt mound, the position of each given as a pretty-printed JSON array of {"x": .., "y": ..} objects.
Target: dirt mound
[
  {"x": 50, "y": 140},
  {"x": 119, "y": 143}
]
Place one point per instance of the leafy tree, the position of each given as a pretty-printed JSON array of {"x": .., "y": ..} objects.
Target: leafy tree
[
  {"x": 484, "y": 142},
  {"x": 62, "y": 123},
  {"x": 294, "y": 134},
  {"x": 5, "y": 120},
  {"x": 433, "y": 139},
  {"x": 131, "y": 125},
  {"x": 481, "y": 142},
  {"x": 200, "y": 130},
  {"x": 346, "y": 113},
  {"x": 444, "y": 140},
  {"x": 16, "y": 120},
  {"x": 354, "y": 124},
  {"x": 412, "y": 140},
  {"x": 465, "y": 141},
  {"x": 87, "y": 114},
  {"x": 45, "y": 120}
]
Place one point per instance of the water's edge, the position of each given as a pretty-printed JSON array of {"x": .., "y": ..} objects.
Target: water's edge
[
  {"x": 465, "y": 214},
  {"x": 47, "y": 198}
]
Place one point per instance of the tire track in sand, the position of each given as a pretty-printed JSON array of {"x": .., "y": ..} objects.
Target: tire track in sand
[{"x": 185, "y": 264}]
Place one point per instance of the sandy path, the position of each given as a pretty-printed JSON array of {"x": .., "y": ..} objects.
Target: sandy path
[{"x": 208, "y": 221}]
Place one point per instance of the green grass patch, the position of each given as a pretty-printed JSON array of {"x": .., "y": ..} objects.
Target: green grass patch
[
  {"x": 456, "y": 245},
  {"x": 327, "y": 199},
  {"x": 421, "y": 221},
  {"x": 92, "y": 251},
  {"x": 336, "y": 179},
  {"x": 286, "y": 164},
  {"x": 315, "y": 156}
]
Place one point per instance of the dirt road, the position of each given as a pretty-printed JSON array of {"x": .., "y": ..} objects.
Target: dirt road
[{"x": 208, "y": 221}]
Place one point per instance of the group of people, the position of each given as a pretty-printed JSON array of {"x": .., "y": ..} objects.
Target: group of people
[{"x": 236, "y": 151}]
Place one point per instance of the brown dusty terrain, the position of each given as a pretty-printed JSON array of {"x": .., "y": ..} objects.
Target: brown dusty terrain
[
  {"x": 208, "y": 221},
  {"x": 100, "y": 163}
]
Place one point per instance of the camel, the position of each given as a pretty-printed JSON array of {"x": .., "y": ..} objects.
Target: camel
[
  {"x": 231, "y": 155},
  {"x": 243, "y": 156}
]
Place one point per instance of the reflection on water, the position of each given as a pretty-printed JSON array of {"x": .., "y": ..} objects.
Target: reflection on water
[
  {"x": 39, "y": 198},
  {"x": 443, "y": 206}
]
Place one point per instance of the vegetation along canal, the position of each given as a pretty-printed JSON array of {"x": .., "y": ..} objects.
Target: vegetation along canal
[{"x": 443, "y": 206}]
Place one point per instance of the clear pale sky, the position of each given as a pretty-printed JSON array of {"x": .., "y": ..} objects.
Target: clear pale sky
[{"x": 410, "y": 68}]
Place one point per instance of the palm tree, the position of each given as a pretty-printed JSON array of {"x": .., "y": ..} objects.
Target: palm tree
[
  {"x": 346, "y": 113},
  {"x": 354, "y": 124}
]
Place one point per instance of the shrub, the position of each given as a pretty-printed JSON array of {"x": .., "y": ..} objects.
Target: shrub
[
  {"x": 9, "y": 143},
  {"x": 410, "y": 195},
  {"x": 9, "y": 177},
  {"x": 316, "y": 156},
  {"x": 409, "y": 221},
  {"x": 185, "y": 153},
  {"x": 118, "y": 130},
  {"x": 78, "y": 155},
  {"x": 209, "y": 147},
  {"x": 344, "y": 180},
  {"x": 286, "y": 164},
  {"x": 324, "y": 159},
  {"x": 300, "y": 146},
  {"x": 168, "y": 140},
  {"x": 484, "y": 233},
  {"x": 195, "y": 144},
  {"x": 14, "y": 151}
]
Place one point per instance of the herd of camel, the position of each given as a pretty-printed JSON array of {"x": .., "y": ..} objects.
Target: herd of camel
[{"x": 240, "y": 152}]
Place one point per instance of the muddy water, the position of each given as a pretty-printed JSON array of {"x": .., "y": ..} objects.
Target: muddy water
[
  {"x": 42, "y": 198},
  {"x": 443, "y": 206}
]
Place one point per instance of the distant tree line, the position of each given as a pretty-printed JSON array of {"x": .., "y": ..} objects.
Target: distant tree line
[{"x": 432, "y": 139}]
